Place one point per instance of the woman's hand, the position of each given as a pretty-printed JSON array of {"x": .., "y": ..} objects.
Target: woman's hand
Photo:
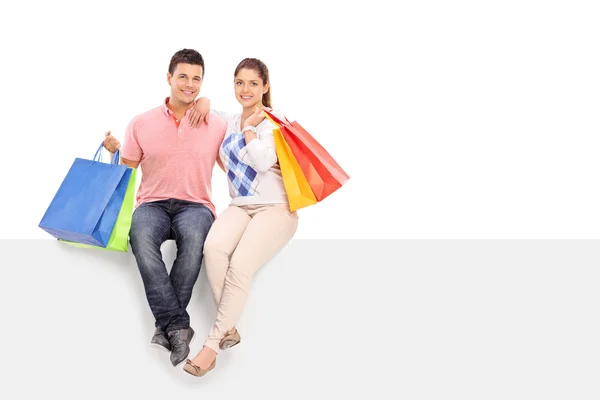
[
  {"x": 199, "y": 112},
  {"x": 256, "y": 118}
]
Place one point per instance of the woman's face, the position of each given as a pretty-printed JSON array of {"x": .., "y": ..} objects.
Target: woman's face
[{"x": 249, "y": 88}]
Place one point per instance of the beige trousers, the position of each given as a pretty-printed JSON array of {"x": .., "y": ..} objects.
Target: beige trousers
[{"x": 241, "y": 240}]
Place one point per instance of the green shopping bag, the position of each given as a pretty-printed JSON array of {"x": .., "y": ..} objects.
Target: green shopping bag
[{"x": 119, "y": 238}]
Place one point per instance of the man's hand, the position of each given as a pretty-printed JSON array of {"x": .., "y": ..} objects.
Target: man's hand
[
  {"x": 111, "y": 143},
  {"x": 199, "y": 112}
]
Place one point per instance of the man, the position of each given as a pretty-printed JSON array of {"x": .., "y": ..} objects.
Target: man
[{"x": 174, "y": 198}]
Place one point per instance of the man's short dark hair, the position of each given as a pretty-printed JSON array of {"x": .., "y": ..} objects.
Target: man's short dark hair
[{"x": 187, "y": 56}]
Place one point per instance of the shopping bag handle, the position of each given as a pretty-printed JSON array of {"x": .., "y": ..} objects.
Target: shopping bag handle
[
  {"x": 274, "y": 119},
  {"x": 115, "y": 159}
]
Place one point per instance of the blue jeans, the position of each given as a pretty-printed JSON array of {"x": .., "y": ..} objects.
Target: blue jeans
[{"x": 152, "y": 224}]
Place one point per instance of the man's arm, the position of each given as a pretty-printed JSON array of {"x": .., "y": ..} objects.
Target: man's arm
[
  {"x": 112, "y": 145},
  {"x": 129, "y": 163},
  {"x": 220, "y": 163}
]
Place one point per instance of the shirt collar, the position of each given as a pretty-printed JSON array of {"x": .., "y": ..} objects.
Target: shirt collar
[{"x": 167, "y": 111}]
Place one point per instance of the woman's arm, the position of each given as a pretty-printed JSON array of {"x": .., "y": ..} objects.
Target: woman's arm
[{"x": 260, "y": 144}]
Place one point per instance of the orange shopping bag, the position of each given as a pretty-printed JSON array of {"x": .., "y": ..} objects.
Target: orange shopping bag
[
  {"x": 323, "y": 173},
  {"x": 296, "y": 186}
]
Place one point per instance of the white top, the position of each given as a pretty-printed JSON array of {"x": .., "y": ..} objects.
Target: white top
[{"x": 252, "y": 170}]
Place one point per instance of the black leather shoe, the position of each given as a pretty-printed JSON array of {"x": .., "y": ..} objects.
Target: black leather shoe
[
  {"x": 161, "y": 340},
  {"x": 180, "y": 344}
]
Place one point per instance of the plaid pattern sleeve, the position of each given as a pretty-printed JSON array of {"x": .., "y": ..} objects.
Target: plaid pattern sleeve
[{"x": 242, "y": 178}]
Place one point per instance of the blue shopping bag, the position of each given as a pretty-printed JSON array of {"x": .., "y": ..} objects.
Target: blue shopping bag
[{"x": 87, "y": 203}]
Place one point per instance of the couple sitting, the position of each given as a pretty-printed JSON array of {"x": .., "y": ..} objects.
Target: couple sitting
[{"x": 177, "y": 145}]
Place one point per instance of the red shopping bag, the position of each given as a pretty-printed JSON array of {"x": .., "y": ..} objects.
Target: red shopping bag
[{"x": 323, "y": 173}]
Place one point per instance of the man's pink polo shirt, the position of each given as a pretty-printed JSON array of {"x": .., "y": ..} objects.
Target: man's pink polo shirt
[{"x": 176, "y": 161}]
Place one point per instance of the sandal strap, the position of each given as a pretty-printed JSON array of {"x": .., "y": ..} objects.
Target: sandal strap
[{"x": 197, "y": 368}]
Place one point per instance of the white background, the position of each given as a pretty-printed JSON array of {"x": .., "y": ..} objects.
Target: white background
[
  {"x": 464, "y": 119},
  {"x": 455, "y": 120}
]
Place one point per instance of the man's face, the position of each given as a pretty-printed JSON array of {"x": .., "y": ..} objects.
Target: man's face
[{"x": 185, "y": 82}]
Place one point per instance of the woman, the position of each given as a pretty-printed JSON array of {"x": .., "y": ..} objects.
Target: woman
[{"x": 257, "y": 223}]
